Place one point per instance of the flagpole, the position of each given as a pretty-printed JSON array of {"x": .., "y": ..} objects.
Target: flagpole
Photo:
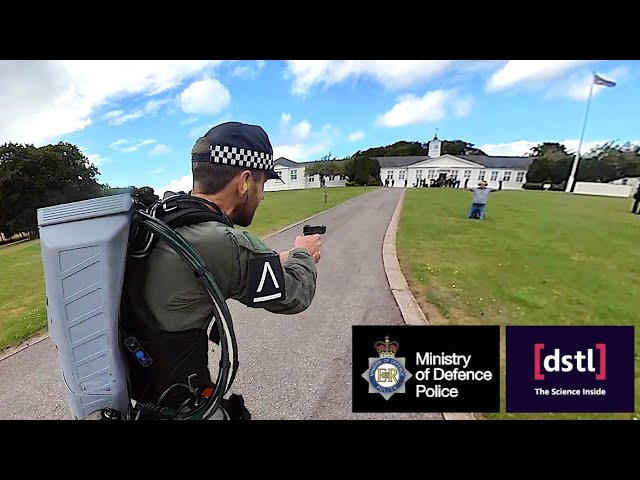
[{"x": 574, "y": 167}]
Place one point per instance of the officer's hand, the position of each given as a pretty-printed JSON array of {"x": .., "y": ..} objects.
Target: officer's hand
[{"x": 311, "y": 243}]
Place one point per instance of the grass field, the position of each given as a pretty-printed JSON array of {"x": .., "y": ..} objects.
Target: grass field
[
  {"x": 22, "y": 290},
  {"x": 539, "y": 258}
]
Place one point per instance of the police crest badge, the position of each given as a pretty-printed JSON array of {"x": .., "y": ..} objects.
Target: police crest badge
[{"x": 387, "y": 374}]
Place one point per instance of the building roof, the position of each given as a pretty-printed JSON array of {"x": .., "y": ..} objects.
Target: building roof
[
  {"x": 286, "y": 162},
  {"x": 292, "y": 164},
  {"x": 499, "y": 162},
  {"x": 484, "y": 160},
  {"x": 487, "y": 161},
  {"x": 400, "y": 161}
]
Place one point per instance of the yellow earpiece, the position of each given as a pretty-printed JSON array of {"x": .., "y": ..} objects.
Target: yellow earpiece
[{"x": 245, "y": 187}]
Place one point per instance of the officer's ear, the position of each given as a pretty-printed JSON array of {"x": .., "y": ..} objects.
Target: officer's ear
[{"x": 244, "y": 182}]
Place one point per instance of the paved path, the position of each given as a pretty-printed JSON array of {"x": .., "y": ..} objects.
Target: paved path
[{"x": 291, "y": 367}]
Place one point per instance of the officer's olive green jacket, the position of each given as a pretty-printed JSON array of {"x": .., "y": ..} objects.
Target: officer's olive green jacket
[{"x": 179, "y": 302}]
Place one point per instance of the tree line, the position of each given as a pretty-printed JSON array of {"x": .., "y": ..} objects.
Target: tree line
[
  {"x": 553, "y": 162},
  {"x": 36, "y": 177}
]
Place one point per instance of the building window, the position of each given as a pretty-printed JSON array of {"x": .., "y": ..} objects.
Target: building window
[
  {"x": 520, "y": 177},
  {"x": 625, "y": 181},
  {"x": 294, "y": 174},
  {"x": 481, "y": 175},
  {"x": 418, "y": 174},
  {"x": 494, "y": 175},
  {"x": 311, "y": 178},
  {"x": 279, "y": 172},
  {"x": 467, "y": 174},
  {"x": 454, "y": 173},
  {"x": 431, "y": 174},
  {"x": 389, "y": 174},
  {"x": 401, "y": 175},
  {"x": 331, "y": 178},
  {"x": 506, "y": 176}
]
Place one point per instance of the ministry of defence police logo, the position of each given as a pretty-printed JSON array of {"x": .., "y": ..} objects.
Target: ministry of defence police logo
[{"x": 386, "y": 374}]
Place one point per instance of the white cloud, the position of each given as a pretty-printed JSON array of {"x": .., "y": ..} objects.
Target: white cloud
[
  {"x": 285, "y": 118},
  {"x": 118, "y": 117},
  {"x": 355, "y": 136},
  {"x": 113, "y": 114},
  {"x": 531, "y": 73},
  {"x": 125, "y": 118},
  {"x": 577, "y": 86},
  {"x": 293, "y": 134},
  {"x": 119, "y": 145},
  {"x": 392, "y": 74},
  {"x": 43, "y": 100},
  {"x": 97, "y": 159},
  {"x": 300, "y": 131},
  {"x": 431, "y": 107},
  {"x": 159, "y": 149},
  {"x": 523, "y": 147},
  {"x": 248, "y": 71},
  {"x": 94, "y": 158},
  {"x": 208, "y": 97},
  {"x": 300, "y": 143},
  {"x": 182, "y": 184}
]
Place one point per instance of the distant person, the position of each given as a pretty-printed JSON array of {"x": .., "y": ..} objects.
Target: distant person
[
  {"x": 636, "y": 202},
  {"x": 405, "y": 183},
  {"x": 393, "y": 182},
  {"x": 479, "y": 202},
  {"x": 466, "y": 183}
]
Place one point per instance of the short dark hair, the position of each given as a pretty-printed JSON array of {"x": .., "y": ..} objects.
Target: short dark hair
[{"x": 211, "y": 178}]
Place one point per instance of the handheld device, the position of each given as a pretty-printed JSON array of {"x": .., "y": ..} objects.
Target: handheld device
[{"x": 314, "y": 229}]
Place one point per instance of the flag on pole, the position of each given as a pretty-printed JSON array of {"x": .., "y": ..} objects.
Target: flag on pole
[{"x": 598, "y": 80}]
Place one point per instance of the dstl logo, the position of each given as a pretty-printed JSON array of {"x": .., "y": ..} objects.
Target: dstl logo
[{"x": 560, "y": 362}]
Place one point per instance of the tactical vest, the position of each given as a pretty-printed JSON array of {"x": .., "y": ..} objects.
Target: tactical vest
[{"x": 177, "y": 357}]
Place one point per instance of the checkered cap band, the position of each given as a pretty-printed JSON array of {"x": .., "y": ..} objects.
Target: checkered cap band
[{"x": 241, "y": 157}]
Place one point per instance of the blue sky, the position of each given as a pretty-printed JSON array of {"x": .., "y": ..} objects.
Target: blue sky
[{"x": 137, "y": 120}]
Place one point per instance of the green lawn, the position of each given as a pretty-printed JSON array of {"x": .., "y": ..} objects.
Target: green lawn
[
  {"x": 279, "y": 209},
  {"x": 539, "y": 258},
  {"x": 22, "y": 291}
]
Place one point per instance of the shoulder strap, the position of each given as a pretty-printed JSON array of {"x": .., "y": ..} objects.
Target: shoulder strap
[{"x": 183, "y": 209}]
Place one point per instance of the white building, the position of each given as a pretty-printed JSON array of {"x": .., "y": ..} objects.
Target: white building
[
  {"x": 411, "y": 170},
  {"x": 468, "y": 169},
  {"x": 293, "y": 176}
]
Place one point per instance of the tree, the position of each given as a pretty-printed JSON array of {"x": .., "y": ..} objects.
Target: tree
[
  {"x": 459, "y": 147},
  {"x": 552, "y": 163},
  {"x": 32, "y": 178},
  {"x": 402, "y": 148},
  {"x": 363, "y": 170},
  {"x": 325, "y": 168},
  {"x": 604, "y": 163}
]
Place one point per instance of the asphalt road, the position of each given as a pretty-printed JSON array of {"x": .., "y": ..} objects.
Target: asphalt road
[{"x": 291, "y": 366}]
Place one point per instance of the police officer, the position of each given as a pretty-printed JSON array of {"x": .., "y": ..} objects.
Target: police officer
[{"x": 169, "y": 311}]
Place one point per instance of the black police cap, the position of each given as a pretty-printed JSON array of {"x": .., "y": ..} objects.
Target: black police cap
[{"x": 236, "y": 144}]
